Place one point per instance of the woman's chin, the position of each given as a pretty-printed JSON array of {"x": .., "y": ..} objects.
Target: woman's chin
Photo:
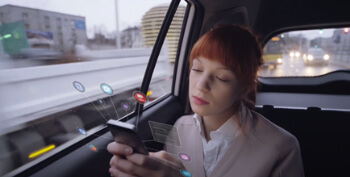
[{"x": 200, "y": 111}]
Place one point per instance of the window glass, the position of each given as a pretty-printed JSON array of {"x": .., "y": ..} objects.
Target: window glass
[
  {"x": 307, "y": 53},
  {"x": 163, "y": 73},
  {"x": 74, "y": 69}
]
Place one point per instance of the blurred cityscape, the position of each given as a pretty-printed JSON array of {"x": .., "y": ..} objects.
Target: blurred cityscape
[
  {"x": 46, "y": 35},
  {"x": 307, "y": 53}
]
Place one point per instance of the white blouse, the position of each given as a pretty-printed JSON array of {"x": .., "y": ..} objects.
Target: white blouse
[{"x": 219, "y": 142}]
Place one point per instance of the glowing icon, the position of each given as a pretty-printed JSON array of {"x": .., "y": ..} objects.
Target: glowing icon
[
  {"x": 184, "y": 157},
  {"x": 186, "y": 173},
  {"x": 93, "y": 148},
  {"x": 79, "y": 86},
  {"x": 101, "y": 102},
  {"x": 82, "y": 131},
  {"x": 140, "y": 97},
  {"x": 106, "y": 89},
  {"x": 126, "y": 106}
]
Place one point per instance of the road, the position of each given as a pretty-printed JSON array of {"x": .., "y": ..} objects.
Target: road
[
  {"x": 82, "y": 55},
  {"x": 296, "y": 67}
]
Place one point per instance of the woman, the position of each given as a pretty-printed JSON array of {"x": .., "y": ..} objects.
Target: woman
[{"x": 224, "y": 137}]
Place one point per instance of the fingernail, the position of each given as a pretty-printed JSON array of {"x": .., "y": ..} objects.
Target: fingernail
[{"x": 127, "y": 150}]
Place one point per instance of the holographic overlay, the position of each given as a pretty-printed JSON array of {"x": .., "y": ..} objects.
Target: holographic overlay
[
  {"x": 140, "y": 97},
  {"x": 125, "y": 105},
  {"x": 78, "y": 86},
  {"x": 185, "y": 157},
  {"x": 100, "y": 102},
  {"x": 106, "y": 89},
  {"x": 164, "y": 133},
  {"x": 186, "y": 173},
  {"x": 93, "y": 148},
  {"x": 82, "y": 131}
]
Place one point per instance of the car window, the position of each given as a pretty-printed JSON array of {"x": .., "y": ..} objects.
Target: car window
[
  {"x": 307, "y": 53},
  {"x": 163, "y": 73},
  {"x": 64, "y": 71}
]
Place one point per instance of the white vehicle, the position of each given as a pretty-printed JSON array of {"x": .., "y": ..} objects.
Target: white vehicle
[
  {"x": 316, "y": 56},
  {"x": 40, "y": 47}
]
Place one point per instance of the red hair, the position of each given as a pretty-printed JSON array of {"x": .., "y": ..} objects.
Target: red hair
[{"x": 238, "y": 48}]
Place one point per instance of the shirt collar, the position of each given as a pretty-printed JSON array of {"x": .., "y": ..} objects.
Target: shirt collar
[
  {"x": 198, "y": 120},
  {"x": 230, "y": 129}
]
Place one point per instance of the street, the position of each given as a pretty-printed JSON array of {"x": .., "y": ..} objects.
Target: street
[{"x": 295, "y": 67}]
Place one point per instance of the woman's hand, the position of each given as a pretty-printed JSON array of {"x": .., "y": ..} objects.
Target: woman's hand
[{"x": 125, "y": 163}]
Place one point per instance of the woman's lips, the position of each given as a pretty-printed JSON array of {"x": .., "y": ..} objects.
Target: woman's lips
[{"x": 199, "y": 101}]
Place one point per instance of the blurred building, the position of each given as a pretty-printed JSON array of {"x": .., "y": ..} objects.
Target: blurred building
[
  {"x": 151, "y": 23},
  {"x": 341, "y": 39},
  {"x": 66, "y": 30},
  {"x": 131, "y": 38},
  {"x": 341, "y": 45}
]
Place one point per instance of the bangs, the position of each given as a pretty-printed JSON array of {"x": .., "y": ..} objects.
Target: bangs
[{"x": 219, "y": 46}]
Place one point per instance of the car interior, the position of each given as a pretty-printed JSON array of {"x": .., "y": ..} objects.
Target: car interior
[{"x": 315, "y": 109}]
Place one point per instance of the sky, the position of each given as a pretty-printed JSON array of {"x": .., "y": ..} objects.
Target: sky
[{"x": 96, "y": 12}]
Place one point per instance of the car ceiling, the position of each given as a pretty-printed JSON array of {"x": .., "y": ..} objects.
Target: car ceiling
[{"x": 267, "y": 17}]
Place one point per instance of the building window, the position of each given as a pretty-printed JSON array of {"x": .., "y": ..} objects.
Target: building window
[
  {"x": 1, "y": 17},
  {"x": 59, "y": 23},
  {"x": 65, "y": 22},
  {"x": 60, "y": 39},
  {"x": 72, "y": 23},
  {"x": 47, "y": 22},
  {"x": 25, "y": 18}
]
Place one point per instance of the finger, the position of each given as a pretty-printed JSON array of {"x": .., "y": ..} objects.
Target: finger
[
  {"x": 114, "y": 160},
  {"x": 151, "y": 163},
  {"x": 123, "y": 165},
  {"x": 116, "y": 173},
  {"x": 166, "y": 156},
  {"x": 153, "y": 166},
  {"x": 177, "y": 164},
  {"x": 138, "y": 159},
  {"x": 147, "y": 166},
  {"x": 163, "y": 155},
  {"x": 119, "y": 149},
  {"x": 129, "y": 167}
]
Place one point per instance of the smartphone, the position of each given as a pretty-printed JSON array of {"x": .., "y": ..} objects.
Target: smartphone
[{"x": 126, "y": 133}]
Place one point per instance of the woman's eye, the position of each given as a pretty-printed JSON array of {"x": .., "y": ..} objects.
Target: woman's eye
[
  {"x": 223, "y": 80},
  {"x": 196, "y": 70}
]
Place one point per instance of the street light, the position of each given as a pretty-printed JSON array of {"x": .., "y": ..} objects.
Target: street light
[
  {"x": 320, "y": 31},
  {"x": 117, "y": 38}
]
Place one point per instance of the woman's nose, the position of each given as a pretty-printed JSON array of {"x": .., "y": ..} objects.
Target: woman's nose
[{"x": 203, "y": 83}]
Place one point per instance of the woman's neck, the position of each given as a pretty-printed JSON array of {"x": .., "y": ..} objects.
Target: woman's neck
[{"x": 213, "y": 122}]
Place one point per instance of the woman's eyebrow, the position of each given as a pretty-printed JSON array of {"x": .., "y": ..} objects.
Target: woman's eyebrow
[
  {"x": 224, "y": 68},
  {"x": 197, "y": 59}
]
